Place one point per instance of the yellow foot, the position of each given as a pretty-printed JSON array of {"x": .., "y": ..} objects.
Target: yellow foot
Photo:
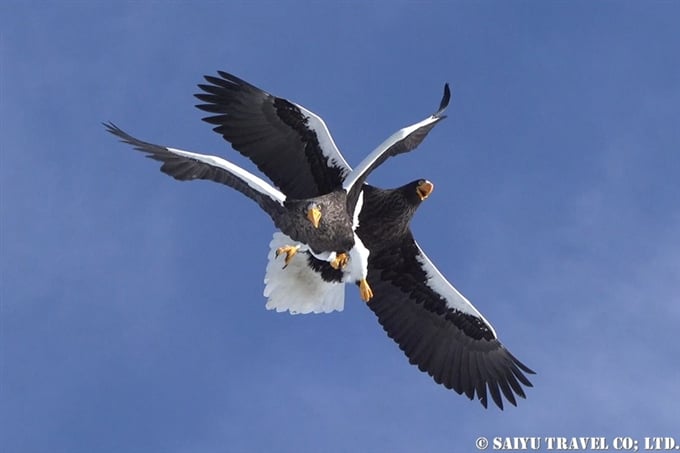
[
  {"x": 340, "y": 261},
  {"x": 365, "y": 291},
  {"x": 289, "y": 250}
]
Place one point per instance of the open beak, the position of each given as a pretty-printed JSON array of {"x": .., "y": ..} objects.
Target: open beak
[
  {"x": 314, "y": 216},
  {"x": 424, "y": 189}
]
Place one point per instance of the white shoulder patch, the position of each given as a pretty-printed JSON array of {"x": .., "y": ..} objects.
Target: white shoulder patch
[
  {"x": 357, "y": 268},
  {"x": 328, "y": 146},
  {"x": 454, "y": 299},
  {"x": 298, "y": 289},
  {"x": 357, "y": 210}
]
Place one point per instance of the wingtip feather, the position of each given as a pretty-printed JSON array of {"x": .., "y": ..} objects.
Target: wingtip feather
[{"x": 446, "y": 98}]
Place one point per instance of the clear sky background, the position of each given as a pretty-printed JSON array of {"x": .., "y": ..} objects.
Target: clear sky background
[{"x": 132, "y": 315}]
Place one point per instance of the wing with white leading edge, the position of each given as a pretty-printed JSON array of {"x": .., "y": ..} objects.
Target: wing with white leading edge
[
  {"x": 287, "y": 142},
  {"x": 438, "y": 329}
]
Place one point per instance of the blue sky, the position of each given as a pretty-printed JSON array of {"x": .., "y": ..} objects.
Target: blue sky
[{"x": 132, "y": 316}]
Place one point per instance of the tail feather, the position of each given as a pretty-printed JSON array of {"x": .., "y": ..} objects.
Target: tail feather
[{"x": 297, "y": 288}]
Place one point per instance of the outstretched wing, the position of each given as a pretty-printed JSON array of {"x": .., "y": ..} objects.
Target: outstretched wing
[
  {"x": 187, "y": 166},
  {"x": 438, "y": 328},
  {"x": 402, "y": 141},
  {"x": 287, "y": 142}
]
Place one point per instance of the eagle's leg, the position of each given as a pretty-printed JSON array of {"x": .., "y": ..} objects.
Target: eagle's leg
[
  {"x": 340, "y": 261},
  {"x": 364, "y": 290},
  {"x": 289, "y": 250}
]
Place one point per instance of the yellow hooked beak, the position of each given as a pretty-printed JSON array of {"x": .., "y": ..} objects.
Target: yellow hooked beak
[
  {"x": 424, "y": 189},
  {"x": 314, "y": 216}
]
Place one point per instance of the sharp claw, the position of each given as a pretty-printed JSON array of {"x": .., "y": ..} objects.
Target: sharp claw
[
  {"x": 365, "y": 290},
  {"x": 340, "y": 261},
  {"x": 289, "y": 250}
]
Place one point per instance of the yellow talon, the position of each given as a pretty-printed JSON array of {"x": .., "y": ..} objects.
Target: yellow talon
[
  {"x": 289, "y": 250},
  {"x": 365, "y": 291},
  {"x": 340, "y": 261}
]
